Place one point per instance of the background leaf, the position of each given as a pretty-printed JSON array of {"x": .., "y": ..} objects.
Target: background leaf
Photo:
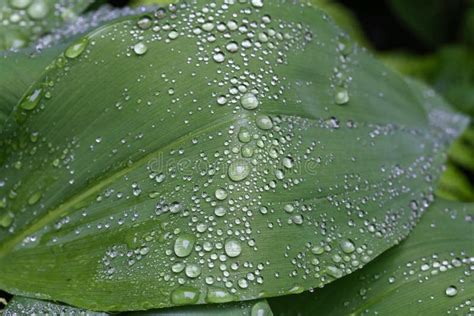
[
  {"x": 154, "y": 162},
  {"x": 27, "y": 306},
  {"x": 439, "y": 17},
  {"x": 429, "y": 274},
  {"x": 24, "y": 21}
]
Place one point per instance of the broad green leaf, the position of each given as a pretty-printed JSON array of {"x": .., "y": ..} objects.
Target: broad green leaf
[
  {"x": 27, "y": 306},
  {"x": 428, "y": 274},
  {"x": 211, "y": 153},
  {"x": 23, "y": 21}
]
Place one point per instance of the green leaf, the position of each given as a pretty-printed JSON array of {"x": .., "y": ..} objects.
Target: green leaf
[
  {"x": 156, "y": 164},
  {"x": 27, "y": 306},
  {"x": 345, "y": 19},
  {"x": 24, "y": 21},
  {"x": 428, "y": 274},
  {"x": 19, "y": 72}
]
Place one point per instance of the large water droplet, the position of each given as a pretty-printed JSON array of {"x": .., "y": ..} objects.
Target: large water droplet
[
  {"x": 249, "y": 101},
  {"x": 261, "y": 309},
  {"x": 19, "y": 4},
  {"x": 31, "y": 101},
  {"x": 451, "y": 291},
  {"x": 77, "y": 48},
  {"x": 347, "y": 246},
  {"x": 264, "y": 122},
  {"x": 183, "y": 245},
  {"x": 185, "y": 295},
  {"x": 239, "y": 170},
  {"x": 193, "y": 270},
  {"x": 218, "y": 295},
  {"x": 233, "y": 248},
  {"x": 140, "y": 48},
  {"x": 38, "y": 10}
]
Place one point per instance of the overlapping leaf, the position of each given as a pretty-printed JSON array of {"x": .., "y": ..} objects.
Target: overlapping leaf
[
  {"x": 428, "y": 274},
  {"x": 23, "y": 21},
  {"x": 213, "y": 152},
  {"x": 27, "y": 306}
]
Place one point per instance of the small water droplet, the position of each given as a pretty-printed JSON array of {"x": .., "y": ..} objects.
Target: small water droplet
[{"x": 341, "y": 96}]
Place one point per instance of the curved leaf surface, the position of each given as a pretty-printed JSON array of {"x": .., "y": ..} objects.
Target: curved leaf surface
[
  {"x": 213, "y": 152},
  {"x": 428, "y": 274}
]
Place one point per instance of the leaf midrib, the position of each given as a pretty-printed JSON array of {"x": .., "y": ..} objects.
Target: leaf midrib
[{"x": 90, "y": 190}]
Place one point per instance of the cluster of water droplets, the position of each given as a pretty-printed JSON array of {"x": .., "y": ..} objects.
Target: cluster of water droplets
[{"x": 252, "y": 178}]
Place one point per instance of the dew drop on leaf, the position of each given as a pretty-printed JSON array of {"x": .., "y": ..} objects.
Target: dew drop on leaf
[
  {"x": 239, "y": 170},
  {"x": 140, "y": 48},
  {"x": 77, "y": 48},
  {"x": 183, "y": 245},
  {"x": 185, "y": 295},
  {"x": 249, "y": 101},
  {"x": 233, "y": 248}
]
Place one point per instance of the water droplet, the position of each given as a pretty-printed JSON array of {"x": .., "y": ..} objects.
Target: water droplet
[
  {"x": 19, "y": 4},
  {"x": 183, "y": 245},
  {"x": 144, "y": 22},
  {"x": 232, "y": 47},
  {"x": 140, "y": 48},
  {"x": 221, "y": 194},
  {"x": 34, "y": 198},
  {"x": 345, "y": 46},
  {"x": 451, "y": 291},
  {"x": 334, "y": 272},
  {"x": 185, "y": 295},
  {"x": 347, "y": 246},
  {"x": 232, "y": 248},
  {"x": 249, "y": 101},
  {"x": 257, "y": 3},
  {"x": 219, "y": 57},
  {"x": 38, "y": 10},
  {"x": 341, "y": 96},
  {"x": 173, "y": 35},
  {"x": 244, "y": 135},
  {"x": 220, "y": 211},
  {"x": 218, "y": 295},
  {"x": 193, "y": 270},
  {"x": 77, "y": 48},
  {"x": 261, "y": 309},
  {"x": 264, "y": 122},
  {"x": 31, "y": 101},
  {"x": 6, "y": 219},
  {"x": 239, "y": 170}
]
